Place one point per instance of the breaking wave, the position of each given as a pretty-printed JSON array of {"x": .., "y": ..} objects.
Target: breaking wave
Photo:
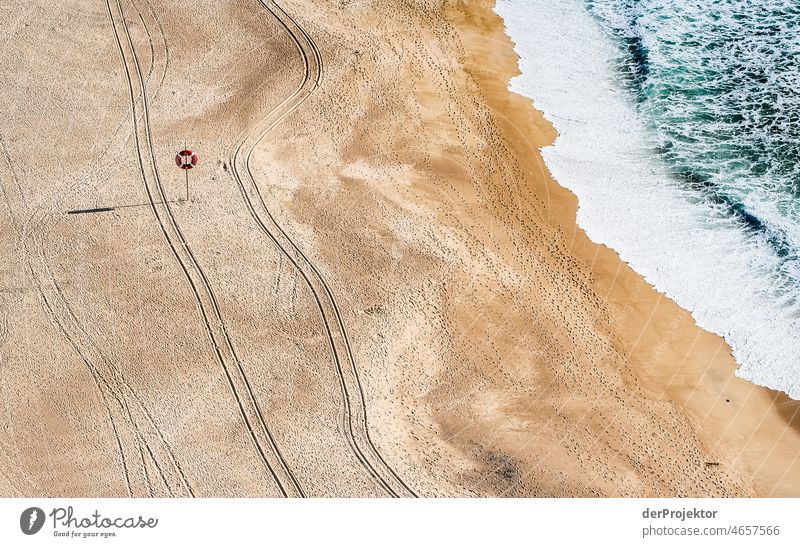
[{"x": 679, "y": 131}]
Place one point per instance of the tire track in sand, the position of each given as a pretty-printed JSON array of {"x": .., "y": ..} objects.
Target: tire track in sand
[
  {"x": 205, "y": 298},
  {"x": 130, "y": 431},
  {"x": 17, "y": 203},
  {"x": 355, "y": 423}
]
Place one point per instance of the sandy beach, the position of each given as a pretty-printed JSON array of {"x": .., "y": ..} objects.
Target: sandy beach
[{"x": 375, "y": 289}]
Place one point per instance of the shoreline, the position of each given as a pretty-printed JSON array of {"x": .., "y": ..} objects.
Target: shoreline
[
  {"x": 700, "y": 257},
  {"x": 670, "y": 359}
]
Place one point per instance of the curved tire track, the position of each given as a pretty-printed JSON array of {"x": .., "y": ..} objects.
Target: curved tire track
[
  {"x": 355, "y": 424},
  {"x": 205, "y": 298},
  {"x": 131, "y": 433}
]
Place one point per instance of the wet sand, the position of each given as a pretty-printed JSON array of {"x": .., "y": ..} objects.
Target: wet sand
[{"x": 665, "y": 356}]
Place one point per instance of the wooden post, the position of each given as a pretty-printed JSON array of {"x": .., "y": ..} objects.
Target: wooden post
[{"x": 187, "y": 174}]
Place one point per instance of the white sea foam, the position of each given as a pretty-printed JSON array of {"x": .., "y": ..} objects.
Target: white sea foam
[{"x": 695, "y": 254}]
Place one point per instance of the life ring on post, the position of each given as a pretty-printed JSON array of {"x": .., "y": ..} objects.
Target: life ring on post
[{"x": 186, "y": 159}]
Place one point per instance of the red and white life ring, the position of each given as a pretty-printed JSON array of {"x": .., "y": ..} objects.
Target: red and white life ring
[{"x": 186, "y": 159}]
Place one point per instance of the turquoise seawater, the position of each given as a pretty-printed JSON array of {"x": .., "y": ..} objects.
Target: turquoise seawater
[{"x": 718, "y": 82}]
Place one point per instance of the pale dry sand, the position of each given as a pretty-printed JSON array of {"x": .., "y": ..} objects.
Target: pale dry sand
[{"x": 499, "y": 352}]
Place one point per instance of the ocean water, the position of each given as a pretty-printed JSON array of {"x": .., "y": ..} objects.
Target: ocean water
[{"x": 679, "y": 131}]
